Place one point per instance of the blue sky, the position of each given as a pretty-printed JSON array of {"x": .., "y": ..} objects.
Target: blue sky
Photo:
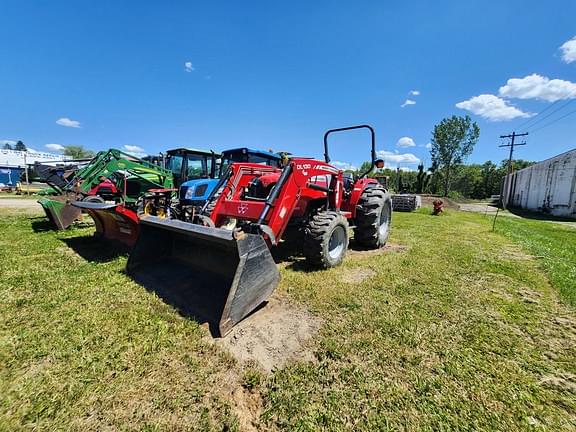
[{"x": 272, "y": 74}]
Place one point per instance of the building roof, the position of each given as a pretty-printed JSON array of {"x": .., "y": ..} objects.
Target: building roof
[{"x": 17, "y": 159}]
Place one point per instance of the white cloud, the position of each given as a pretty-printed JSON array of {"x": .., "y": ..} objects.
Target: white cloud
[
  {"x": 188, "y": 66},
  {"x": 65, "y": 121},
  {"x": 569, "y": 50},
  {"x": 428, "y": 146},
  {"x": 343, "y": 165},
  {"x": 414, "y": 93},
  {"x": 134, "y": 150},
  {"x": 11, "y": 142},
  {"x": 396, "y": 157},
  {"x": 55, "y": 147},
  {"x": 492, "y": 108},
  {"x": 405, "y": 142},
  {"x": 538, "y": 87},
  {"x": 408, "y": 102}
]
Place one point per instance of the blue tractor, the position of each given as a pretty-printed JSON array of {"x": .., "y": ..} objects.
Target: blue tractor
[{"x": 194, "y": 192}]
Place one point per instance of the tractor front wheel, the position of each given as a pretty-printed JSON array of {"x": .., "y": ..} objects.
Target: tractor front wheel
[
  {"x": 373, "y": 217},
  {"x": 326, "y": 239}
]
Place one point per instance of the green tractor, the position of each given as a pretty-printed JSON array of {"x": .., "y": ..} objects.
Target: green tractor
[{"x": 112, "y": 176}]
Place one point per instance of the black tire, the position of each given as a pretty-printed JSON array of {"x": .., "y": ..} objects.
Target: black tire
[
  {"x": 94, "y": 199},
  {"x": 373, "y": 218},
  {"x": 326, "y": 239},
  {"x": 211, "y": 205}
]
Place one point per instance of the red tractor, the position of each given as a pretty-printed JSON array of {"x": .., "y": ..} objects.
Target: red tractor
[{"x": 220, "y": 268}]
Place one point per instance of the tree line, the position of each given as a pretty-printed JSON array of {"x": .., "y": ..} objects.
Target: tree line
[
  {"x": 453, "y": 140},
  {"x": 476, "y": 181}
]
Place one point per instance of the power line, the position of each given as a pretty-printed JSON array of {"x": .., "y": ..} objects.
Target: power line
[
  {"x": 531, "y": 119},
  {"x": 549, "y": 114},
  {"x": 553, "y": 121}
]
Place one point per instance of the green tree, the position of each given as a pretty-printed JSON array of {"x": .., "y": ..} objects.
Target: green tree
[
  {"x": 364, "y": 167},
  {"x": 20, "y": 146},
  {"x": 78, "y": 152},
  {"x": 7, "y": 146},
  {"x": 517, "y": 164},
  {"x": 452, "y": 141}
]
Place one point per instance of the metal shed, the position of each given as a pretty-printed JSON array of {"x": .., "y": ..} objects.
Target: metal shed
[{"x": 548, "y": 186}]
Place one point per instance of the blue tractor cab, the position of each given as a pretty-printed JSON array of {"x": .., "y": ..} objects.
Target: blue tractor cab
[
  {"x": 196, "y": 191},
  {"x": 191, "y": 164}
]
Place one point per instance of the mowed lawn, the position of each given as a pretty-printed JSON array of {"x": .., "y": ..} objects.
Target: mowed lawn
[{"x": 453, "y": 328}]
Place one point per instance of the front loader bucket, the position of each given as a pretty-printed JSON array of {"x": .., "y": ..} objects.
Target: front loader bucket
[
  {"x": 113, "y": 221},
  {"x": 60, "y": 213},
  {"x": 208, "y": 273}
]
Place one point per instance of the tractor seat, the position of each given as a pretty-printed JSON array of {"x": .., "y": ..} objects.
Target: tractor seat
[
  {"x": 348, "y": 179},
  {"x": 106, "y": 193}
]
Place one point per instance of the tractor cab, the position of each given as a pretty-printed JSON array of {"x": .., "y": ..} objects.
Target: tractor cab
[
  {"x": 196, "y": 191},
  {"x": 190, "y": 164}
]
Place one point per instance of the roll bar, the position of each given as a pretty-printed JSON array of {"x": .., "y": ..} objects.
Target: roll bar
[{"x": 373, "y": 142}]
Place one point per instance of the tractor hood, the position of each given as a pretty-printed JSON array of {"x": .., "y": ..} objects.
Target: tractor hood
[{"x": 197, "y": 190}]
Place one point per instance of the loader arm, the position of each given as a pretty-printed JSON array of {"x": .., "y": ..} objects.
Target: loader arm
[
  {"x": 274, "y": 214},
  {"x": 62, "y": 214},
  {"x": 107, "y": 163}
]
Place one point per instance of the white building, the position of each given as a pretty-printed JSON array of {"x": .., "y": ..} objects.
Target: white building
[
  {"x": 15, "y": 159},
  {"x": 548, "y": 186}
]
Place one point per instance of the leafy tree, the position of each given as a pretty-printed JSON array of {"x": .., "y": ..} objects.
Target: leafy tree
[
  {"x": 452, "y": 141},
  {"x": 78, "y": 152},
  {"x": 20, "y": 146},
  {"x": 517, "y": 164},
  {"x": 7, "y": 146},
  {"x": 364, "y": 167}
]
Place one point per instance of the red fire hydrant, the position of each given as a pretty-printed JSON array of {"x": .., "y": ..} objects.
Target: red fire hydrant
[{"x": 438, "y": 203}]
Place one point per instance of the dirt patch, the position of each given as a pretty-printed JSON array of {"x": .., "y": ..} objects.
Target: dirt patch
[
  {"x": 515, "y": 255},
  {"x": 246, "y": 404},
  {"x": 274, "y": 335},
  {"x": 427, "y": 201},
  {"x": 389, "y": 248},
  {"x": 565, "y": 381},
  {"x": 357, "y": 275},
  {"x": 529, "y": 296}
]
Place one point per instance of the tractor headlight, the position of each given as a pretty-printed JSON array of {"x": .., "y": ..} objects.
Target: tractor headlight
[{"x": 189, "y": 193}]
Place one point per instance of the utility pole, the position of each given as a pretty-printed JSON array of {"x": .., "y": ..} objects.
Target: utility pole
[
  {"x": 511, "y": 144},
  {"x": 26, "y": 173}
]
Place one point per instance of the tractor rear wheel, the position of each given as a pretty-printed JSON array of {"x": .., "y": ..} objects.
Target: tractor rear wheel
[
  {"x": 326, "y": 239},
  {"x": 373, "y": 217}
]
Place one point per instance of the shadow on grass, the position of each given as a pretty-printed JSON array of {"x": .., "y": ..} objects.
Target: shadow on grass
[
  {"x": 527, "y": 214},
  {"x": 41, "y": 224},
  {"x": 95, "y": 249},
  {"x": 201, "y": 296}
]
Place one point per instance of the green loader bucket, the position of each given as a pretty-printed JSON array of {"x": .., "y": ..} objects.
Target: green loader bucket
[
  {"x": 60, "y": 213},
  {"x": 206, "y": 273}
]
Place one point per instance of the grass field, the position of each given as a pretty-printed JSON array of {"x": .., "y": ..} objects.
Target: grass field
[
  {"x": 454, "y": 328},
  {"x": 553, "y": 244}
]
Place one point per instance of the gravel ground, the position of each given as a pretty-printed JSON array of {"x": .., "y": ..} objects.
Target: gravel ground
[{"x": 20, "y": 205}]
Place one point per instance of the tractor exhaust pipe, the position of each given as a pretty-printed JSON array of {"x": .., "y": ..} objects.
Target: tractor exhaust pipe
[{"x": 211, "y": 274}]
